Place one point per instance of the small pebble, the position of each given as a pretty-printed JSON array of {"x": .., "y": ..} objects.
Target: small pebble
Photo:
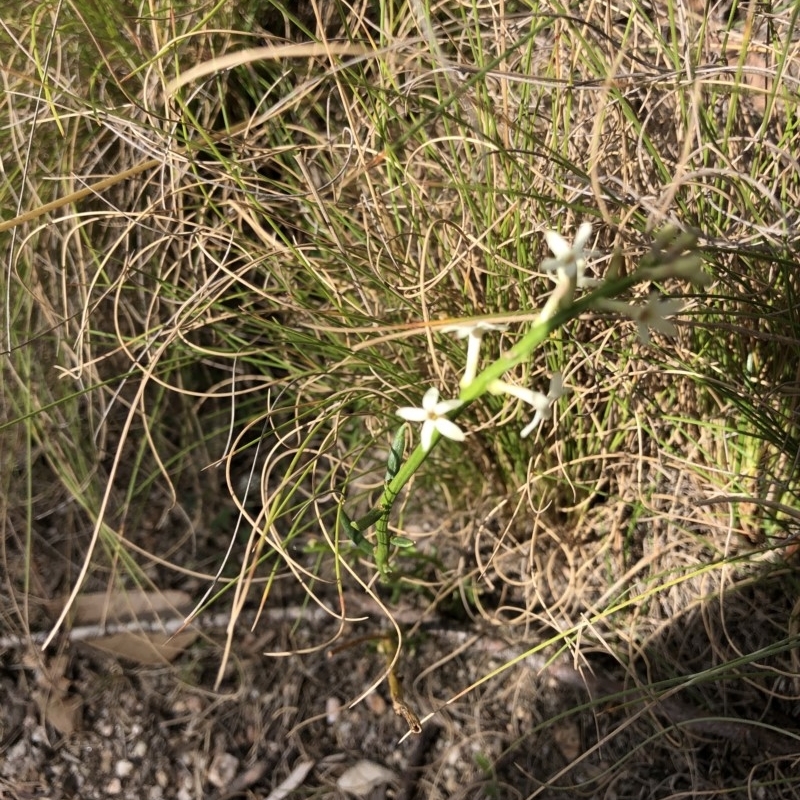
[
  {"x": 139, "y": 749},
  {"x": 376, "y": 704},
  {"x": 123, "y": 768},
  {"x": 223, "y": 769},
  {"x": 363, "y": 777},
  {"x": 332, "y": 710}
]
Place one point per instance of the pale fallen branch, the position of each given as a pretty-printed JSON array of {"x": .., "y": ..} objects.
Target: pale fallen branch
[{"x": 210, "y": 622}]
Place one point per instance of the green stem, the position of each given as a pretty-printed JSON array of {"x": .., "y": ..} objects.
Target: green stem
[
  {"x": 516, "y": 355},
  {"x": 382, "y": 540},
  {"x": 667, "y": 258}
]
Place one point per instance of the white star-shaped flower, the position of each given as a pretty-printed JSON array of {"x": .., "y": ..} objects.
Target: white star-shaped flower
[
  {"x": 569, "y": 259},
  {"x": 474, "y": 331},
  {"x": 543, "y": 404},
  {"x": 432, "y": 416},
  {"x": 545, "y": 411}
]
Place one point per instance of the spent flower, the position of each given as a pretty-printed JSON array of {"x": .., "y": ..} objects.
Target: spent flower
[
  {"x": 432, "y": 416},
  {"x": 653, "y": 314}
]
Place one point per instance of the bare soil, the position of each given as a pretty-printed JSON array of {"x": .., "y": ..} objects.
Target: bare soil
[{"x": 551, "y": 725}]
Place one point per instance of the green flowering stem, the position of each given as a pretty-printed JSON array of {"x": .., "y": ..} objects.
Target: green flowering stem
[
  {"x": 393, "y": 465},
  {"x": 560, "y": 309},
  {"x": 382, "y": 541},
  {"x": 521, "y": 351}
]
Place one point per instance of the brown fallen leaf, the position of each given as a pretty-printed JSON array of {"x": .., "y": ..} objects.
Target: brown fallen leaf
[
  {"x": 96, "y": 608},
  {"x": 56, "y": 706},
  {"x": 62, "y": 711},
  {"x": 149, "y": 649},
  {"x": 143, "y": 639}
]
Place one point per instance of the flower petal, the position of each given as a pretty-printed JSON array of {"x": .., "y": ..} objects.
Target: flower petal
[
  {"x": 426, "y": 437},
  {"x": 556, "y": 386},
  {"x": 582, "y": 236},
  {"x": 558, "y": 245},
  {"x": 476, "y": 329},
  {"x": 551, "y": 264},
  {"x": 430, "y": 400},
  {"x": 542, "y": 404},
  {"x": 449, "y": 429},
  {"x": 410, "y": 414},
  {"x": 445, "y": 407},
  {"x": 664, "y": 326},
  {"x": 461, "y": 331},
  {"x": 531, "y": 426},
  {"x": 654, "y": 315}
]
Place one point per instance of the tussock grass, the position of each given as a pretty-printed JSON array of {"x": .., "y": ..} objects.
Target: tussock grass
[{"x": 225, "y": 329}]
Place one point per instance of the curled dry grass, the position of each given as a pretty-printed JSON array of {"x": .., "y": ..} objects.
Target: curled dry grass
[{"x": 222, "y": 330}]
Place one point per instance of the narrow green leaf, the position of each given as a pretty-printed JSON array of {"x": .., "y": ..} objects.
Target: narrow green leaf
[
  {"x": 352, "y": 531},
  {"x": 395, "y": 459},
  {"x": 402, "y": 541}
]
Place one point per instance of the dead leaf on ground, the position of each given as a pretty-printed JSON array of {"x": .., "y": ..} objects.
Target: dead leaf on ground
[
  {"x": 143, "y": 642},
  {"x": 56, "y": 706},
  {"x": 363, "y": 777},
  {"x": 149, "y": 649},
  {"x": 100, "y": 607}
]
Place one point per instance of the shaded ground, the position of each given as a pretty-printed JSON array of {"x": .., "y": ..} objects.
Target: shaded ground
[{"x": 163, "y": 731}]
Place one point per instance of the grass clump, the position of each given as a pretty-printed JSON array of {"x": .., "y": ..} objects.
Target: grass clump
[{"x": 206, "y": 350}]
